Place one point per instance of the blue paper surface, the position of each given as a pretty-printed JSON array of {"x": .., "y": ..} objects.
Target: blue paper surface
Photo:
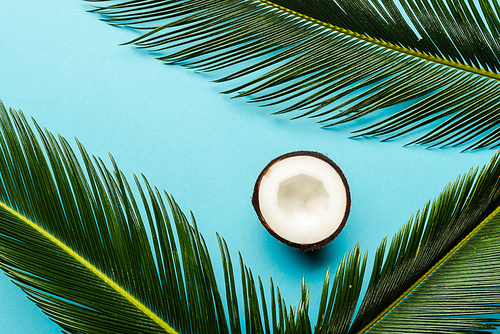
[{"x": 65, "y": 68}]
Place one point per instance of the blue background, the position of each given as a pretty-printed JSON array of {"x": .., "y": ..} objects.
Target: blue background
[{"x": 65, "y": 68}]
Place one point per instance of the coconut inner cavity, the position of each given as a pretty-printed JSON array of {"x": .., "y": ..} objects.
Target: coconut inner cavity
[{"x": 303, "y": 200}]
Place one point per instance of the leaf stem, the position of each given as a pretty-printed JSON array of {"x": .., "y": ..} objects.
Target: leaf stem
[
  {"x": 92, "y": 268},
  {"x": 429, "y": 272},
  {"x": 425, "y": 56}
]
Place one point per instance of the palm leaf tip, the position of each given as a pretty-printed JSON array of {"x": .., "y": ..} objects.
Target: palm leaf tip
[{"x": 348, "y": 54}]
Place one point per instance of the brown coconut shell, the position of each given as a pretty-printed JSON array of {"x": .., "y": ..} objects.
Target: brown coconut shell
[{"x": 256, "y": 206}]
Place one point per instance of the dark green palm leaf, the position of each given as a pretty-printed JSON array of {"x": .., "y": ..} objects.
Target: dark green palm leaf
[
  {"x": 342, "y": 60},
  {"x": 72, "y": 237},
  {"x": 441, "y": 271}
]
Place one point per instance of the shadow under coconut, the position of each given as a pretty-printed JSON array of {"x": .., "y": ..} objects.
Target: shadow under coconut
[{"x": 315, "y": 260}]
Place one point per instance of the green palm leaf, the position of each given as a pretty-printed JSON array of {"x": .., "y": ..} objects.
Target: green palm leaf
[
  {"x": 442, "y": 265},
  {"x": 342, "y": 60},
  {"x": 78, "y": 248},
  {"x": 73, "y": 239},
  {"x": 440, "y": 274}
]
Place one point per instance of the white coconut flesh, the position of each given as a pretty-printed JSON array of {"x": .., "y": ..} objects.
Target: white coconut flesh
[{"x": 302, "y": 199}]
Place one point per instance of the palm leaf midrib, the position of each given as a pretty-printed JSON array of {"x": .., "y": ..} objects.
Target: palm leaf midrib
[
  {"x": 389, "y": 45},
  {"x": 102, "y": 276}
]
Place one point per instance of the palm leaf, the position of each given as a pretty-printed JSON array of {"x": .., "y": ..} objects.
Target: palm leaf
[
  {"x": 74, "y": 239},
  {"x": 79, "y": 249},
  {"x": 440, "y": 270},
  {"x": 342, "y": 60}
]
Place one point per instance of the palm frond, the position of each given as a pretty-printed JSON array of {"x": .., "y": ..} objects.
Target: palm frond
[
  {"x": 79, "y": 248},
  {"x": 440, "y": 272},
  {"x": 342, "y": 60},
  {"x": 73, "y": 239}
]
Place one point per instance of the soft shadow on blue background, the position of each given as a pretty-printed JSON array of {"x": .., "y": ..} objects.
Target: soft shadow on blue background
[{"x": 62, "y": 66}]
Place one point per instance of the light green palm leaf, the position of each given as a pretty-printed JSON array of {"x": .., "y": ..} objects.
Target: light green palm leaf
[
  {"x": 73, "y": 239},
  {"x": 342, "y": 60},
  {"x": 460, "y": 286}
]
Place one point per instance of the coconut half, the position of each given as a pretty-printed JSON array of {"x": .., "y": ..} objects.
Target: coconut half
[{"x": 302, "y": 198}]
